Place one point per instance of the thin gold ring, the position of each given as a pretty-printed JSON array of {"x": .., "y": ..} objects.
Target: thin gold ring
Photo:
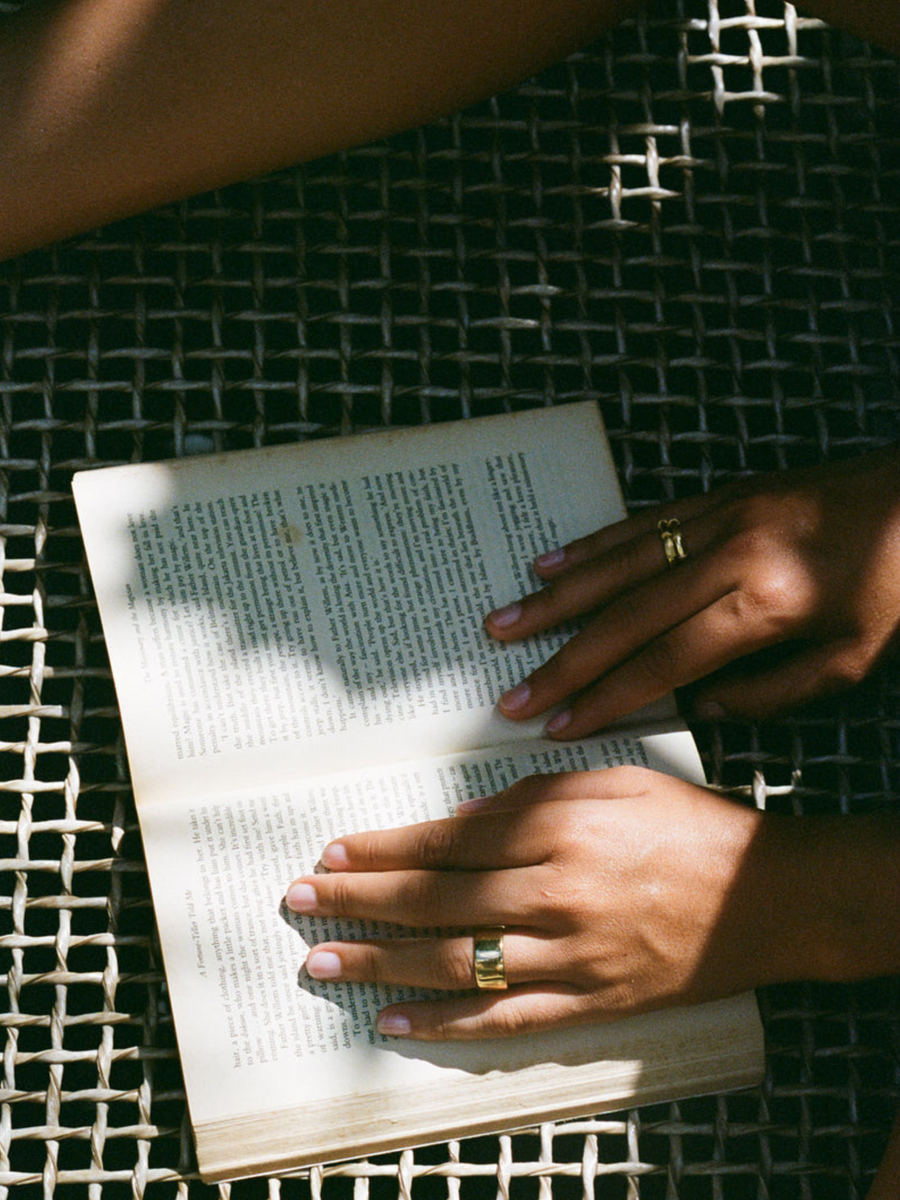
[
  {"x": 673, "y": 546},
  {"x": 487, "y": 960}
]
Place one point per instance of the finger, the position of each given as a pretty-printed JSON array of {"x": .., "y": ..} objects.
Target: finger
[
  {"x": 494, "y": 843},
  {"x": 448, "y": 844},
  {"x": 804, "y": 676},
  {"x": 707, "y": 642},
  {"x": 504, "y": 1014},
  {"x": 554, "y": 562},
  {"x": 627, "y": 624},
  {"x": 425, "y": 899},
  {"x": 445, "y": 963},
  {"x": 613, "y": 783},
  {"x": 595, "y": 582}
]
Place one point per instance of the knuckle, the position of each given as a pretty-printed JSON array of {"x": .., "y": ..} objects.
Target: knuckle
[
  {"x": 509, "y": 1018},
  {"x": 426, "y": 898},
  {"x": 367, "y": 962},
  {"x": 549, "y": 897},
  {"x": 773, "y": 592},
  {"x": 437, "y": 844},
  {"x": 365, "y": 849},
  {"x": 454, "y": 963},
  {"x": 772, "y": 598},
  {"x": 339, "y": 896},
  {"x": 442, "y": 1026},
  {"x": 555, "y": 898},
  {"x": 774, "y": 582},
  {"x": 661, "y": 665}
]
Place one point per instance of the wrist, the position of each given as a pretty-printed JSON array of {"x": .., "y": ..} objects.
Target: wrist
[{"x": 834, "y": 906}]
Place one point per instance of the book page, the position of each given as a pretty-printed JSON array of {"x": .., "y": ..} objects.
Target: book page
[
  {"x": 289, "y": 611},
  {"x": 255, "y": 1032}
]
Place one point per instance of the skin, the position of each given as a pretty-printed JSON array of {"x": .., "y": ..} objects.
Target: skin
[
  {"x": 621, "y": 891},
  {"x": 805, "y": 565},
  {"x": 110, "y": 108}
]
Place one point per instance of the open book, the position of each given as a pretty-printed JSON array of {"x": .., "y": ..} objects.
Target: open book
[{"x": 297, "y": 645}]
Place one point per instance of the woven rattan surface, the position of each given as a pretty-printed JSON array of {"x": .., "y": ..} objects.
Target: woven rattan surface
[{"x": 695, "y": 222}]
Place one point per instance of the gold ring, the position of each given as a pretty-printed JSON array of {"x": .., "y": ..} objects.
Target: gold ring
[
  {"x": 487, "y": 961},
  {"x": 670, "y": 533}
]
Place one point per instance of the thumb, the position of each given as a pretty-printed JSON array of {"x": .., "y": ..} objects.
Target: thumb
[{"x": 807, "y": 674}]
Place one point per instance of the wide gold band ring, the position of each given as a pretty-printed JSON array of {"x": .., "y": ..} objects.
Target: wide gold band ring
[
  {"x": 487, "y": 961},
  {"x": 670, "y": 535}
]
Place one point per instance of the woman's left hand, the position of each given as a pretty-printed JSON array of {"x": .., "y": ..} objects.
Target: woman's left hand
[
  {"x": 806, "y": 564},
  {"x": 620, "y": 891}
]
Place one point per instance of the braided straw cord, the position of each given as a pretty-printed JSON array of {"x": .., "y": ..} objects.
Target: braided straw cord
[{"x": 693, "y": 222}]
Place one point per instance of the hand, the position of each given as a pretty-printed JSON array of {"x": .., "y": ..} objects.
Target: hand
[
  {"x": 621, "y": 890},
  {"x": 807, "y": 561}
]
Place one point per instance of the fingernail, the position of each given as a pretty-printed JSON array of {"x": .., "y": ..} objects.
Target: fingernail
[
  {"x": 560, "y": 721},
  {"x": 393, "y": 1024},
  {"x": 515, "y": 699},
  {"x": 504, "y": 617},
  {"x": 473, "y": 805},
  {"x": 551, "y": 559},
  {"x": 710, "y": 710},
  {"x": 323, "y": 964},
  {"x": 301, "y": 898},
  {"x": 334, "y": 857}
]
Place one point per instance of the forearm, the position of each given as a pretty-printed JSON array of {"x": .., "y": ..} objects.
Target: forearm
[
  {"x": 110, "y": 108},
  {"x": 831, "y": 910}
]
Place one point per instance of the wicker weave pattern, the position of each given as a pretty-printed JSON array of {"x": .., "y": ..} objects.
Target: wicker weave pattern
[{"x": 694, "y": 222}]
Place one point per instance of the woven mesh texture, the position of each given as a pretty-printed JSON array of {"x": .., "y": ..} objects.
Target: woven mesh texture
[{"x": 694, "y": 222}]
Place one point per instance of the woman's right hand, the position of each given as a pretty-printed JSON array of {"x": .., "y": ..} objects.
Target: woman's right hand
[
  {"x": 620, "y": 890},
  {"x": 806, "y": 561},
  {"x": 616, "y": 888}
]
